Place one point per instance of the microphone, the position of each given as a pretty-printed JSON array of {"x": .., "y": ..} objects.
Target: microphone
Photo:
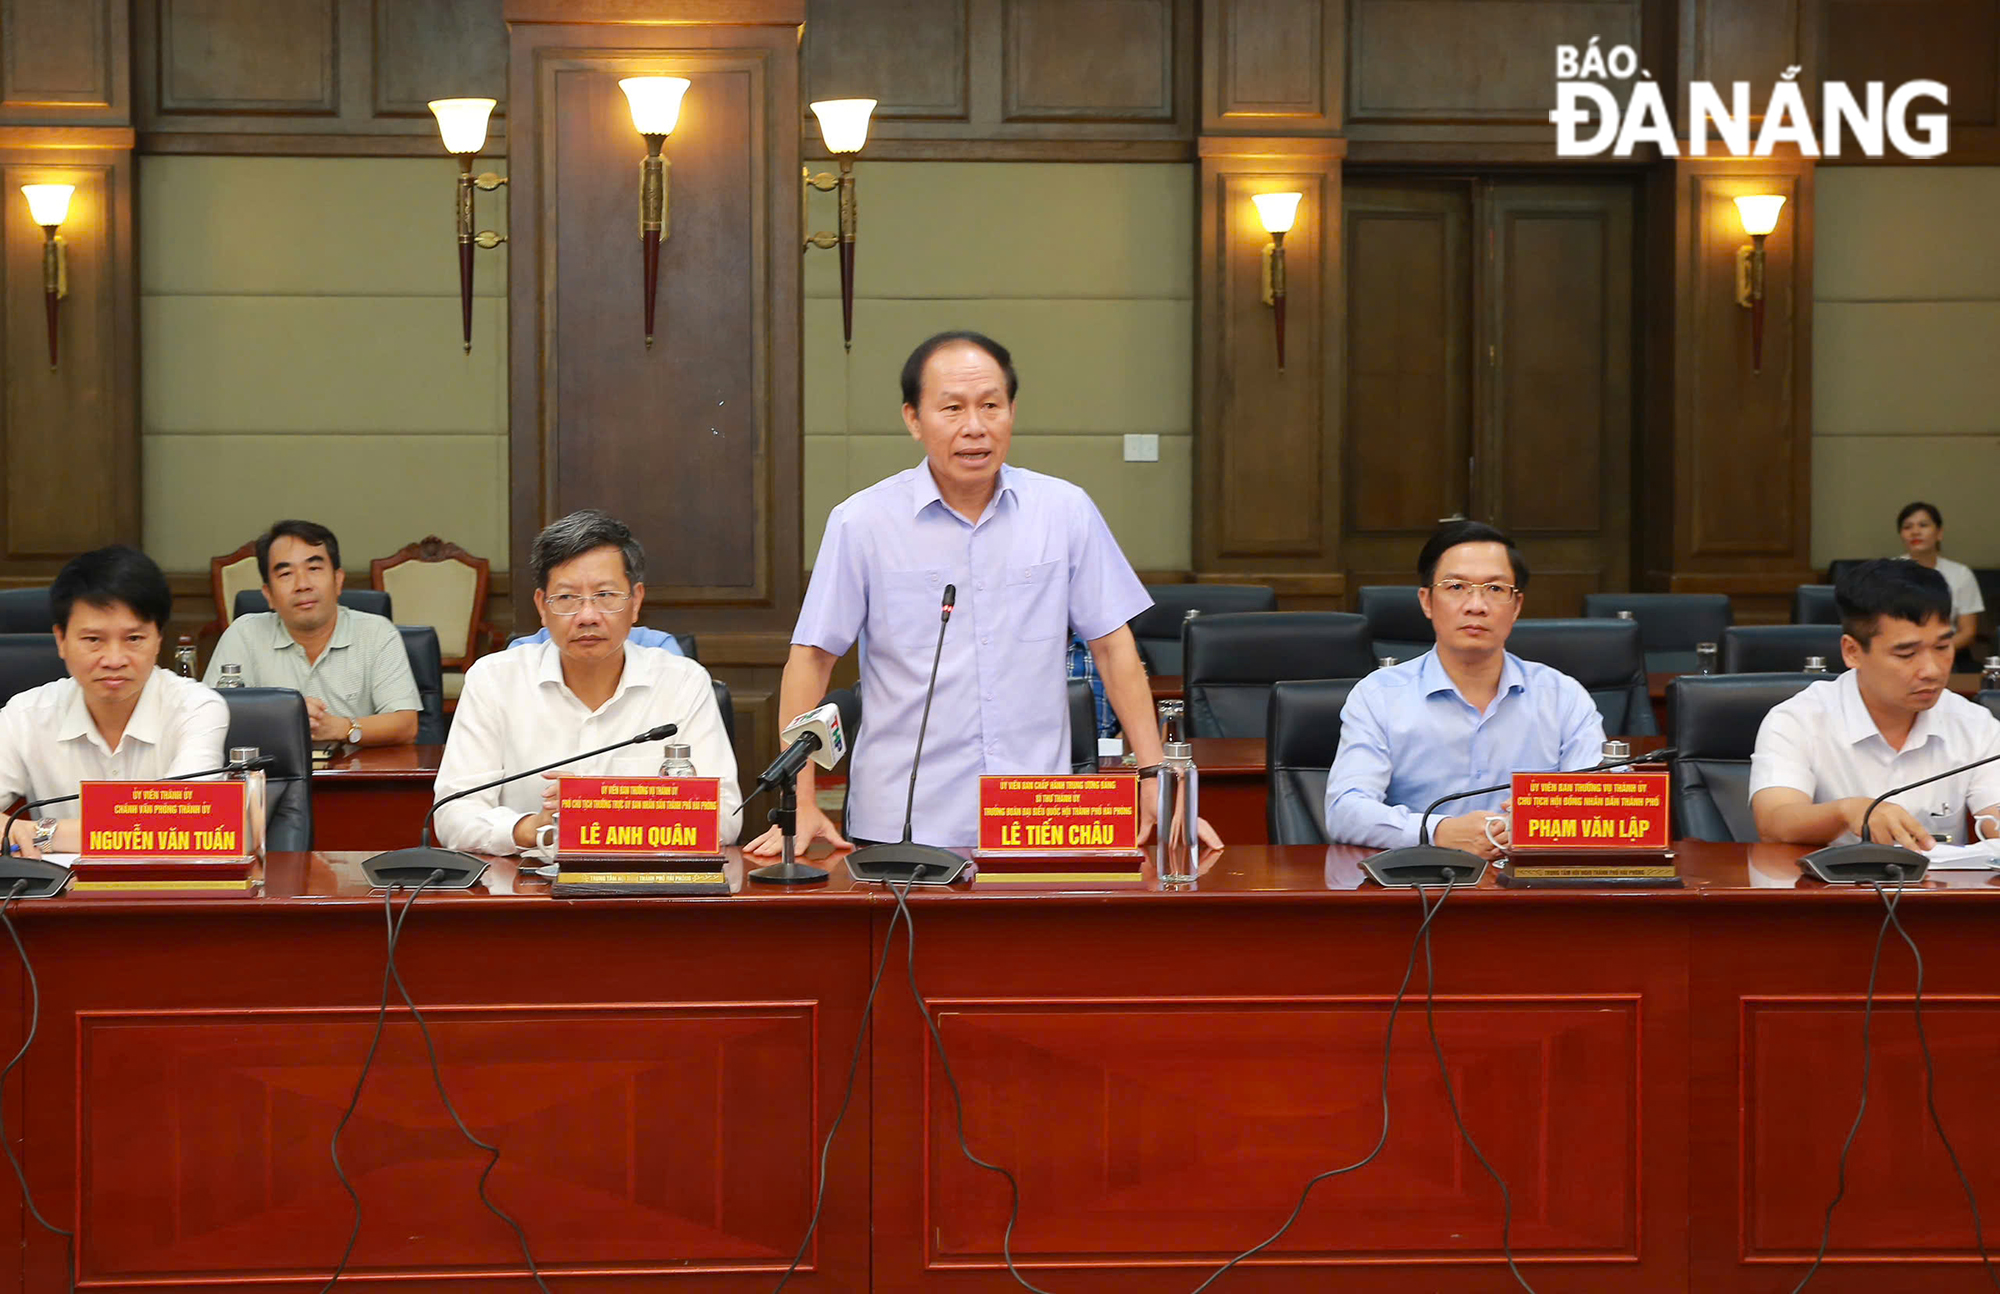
[
  {"x": 46, "y": 879},
  {"x": 1867, "y": 862},
  {"x": 907, "y": 861},
  {"x": 1426, "y": 864},
  {"x": 816, "y": 736},
  {"x": 454, "y": 869}
]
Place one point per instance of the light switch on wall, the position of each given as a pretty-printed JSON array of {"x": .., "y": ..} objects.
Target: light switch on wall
[{"x": 1142, "y": 448}]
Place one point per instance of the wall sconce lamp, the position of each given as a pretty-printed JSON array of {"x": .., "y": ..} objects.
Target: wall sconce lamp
[
  {"x": 656, "y": 110},
  {"x": 1759, "y": 213},
  {"x": 462, "y": 122},
  {"x": 1277, "y": 211},
  {"x": 49, "y": 204},
  {"x": 843, "y": 123}
]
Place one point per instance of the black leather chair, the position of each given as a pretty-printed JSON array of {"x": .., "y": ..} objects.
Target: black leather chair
[
  {"x": 420, "y": 644},
  {"x": 273, "y": 719},
  {"x": 687, "y": 645},
  {"x": 1082, "y": 726},
  {"x": 1396, "y": 621},
  {"x": 26, "y": 611},
  {"x": 1813, "y": 604},
  {"x": 1991, "y": 700},
  {"x": 1304, "y": 727},
  {"x": 373, "y": 601},
  {"x": 727, "y": 707},
  {"x": 1670, "y": 624},
  {"x": 1767, "y": 649},
  {"x": 1603, "y": 655},
  {"x": 1713, "y": 720},
  {"x": 1158, "y": 627},
  {"x": 1232, "y": 661},
  {"x": 1834, "y": 569},
  {"x": 28, "y": 660}
]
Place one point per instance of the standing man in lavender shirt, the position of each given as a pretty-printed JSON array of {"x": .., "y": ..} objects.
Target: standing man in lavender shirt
[{"x": 1032, "y": 560}]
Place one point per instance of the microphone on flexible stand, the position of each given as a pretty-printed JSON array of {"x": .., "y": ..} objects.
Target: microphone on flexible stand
[
  {"x": 814, "y": 737},
  {"x": 1866, "y": 861},
  {"x": 455, "y": 869},
  {"x": 1426, "y": 864},
  {"x": 44, "y": 879},
  {"x": 905, "y": 860}
]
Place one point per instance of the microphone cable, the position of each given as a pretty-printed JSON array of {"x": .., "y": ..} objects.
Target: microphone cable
[
  {"x": 1890, "y": 918},
  {"x": 6, "y": 1142},
  {"x": 1382, "y": 1140},
  {"x": 1450, "y": 1096},
  {"x": 391, "y": 973},
  {"x": 957, "y": 1098},
  {"x": 846, "y": 1097}
]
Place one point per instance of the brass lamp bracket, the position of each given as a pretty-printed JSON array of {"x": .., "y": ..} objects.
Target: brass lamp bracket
[
  {"x": 61, "y": 246},
  {"x": 489, "y": 239},
  {"x": 487, "y": 181}
]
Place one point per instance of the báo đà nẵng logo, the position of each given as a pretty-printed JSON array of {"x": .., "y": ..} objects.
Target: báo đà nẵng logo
[{"x": 1590, "y": 118}]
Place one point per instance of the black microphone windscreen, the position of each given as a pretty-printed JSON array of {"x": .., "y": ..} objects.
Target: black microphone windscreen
[
  {"x": 660, "y": 733},
  {"x": 950, "y": 596}
]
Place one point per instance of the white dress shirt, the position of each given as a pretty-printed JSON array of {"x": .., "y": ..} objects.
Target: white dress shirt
[
  {"x": 50, "y": 746},
  {"x": 516, "y": 712},
  {"x": 1824, "y": 742}
]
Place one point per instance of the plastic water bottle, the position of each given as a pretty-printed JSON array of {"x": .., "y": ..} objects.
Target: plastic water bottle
[
  {"x": 1177, "y": 808},
  {"x": 1173, "y": 722},
  {"x": 1989, "y": 677},
  {"x": 678, "y": 761},
  {"x": 232, "y": 676},
  {"x": 1815, "y": 665},
  {"x": 254, "y": 804},
  {"x": 184, "y": 657}
]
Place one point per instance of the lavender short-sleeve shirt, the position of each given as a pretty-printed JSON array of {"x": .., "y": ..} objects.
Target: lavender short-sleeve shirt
[{"x": 1038, "y": 564}]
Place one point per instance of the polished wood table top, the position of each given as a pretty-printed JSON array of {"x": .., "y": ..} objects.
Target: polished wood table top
[
  {"x": 383, "y": 764},
  {"x": 1710, "y": 872}
]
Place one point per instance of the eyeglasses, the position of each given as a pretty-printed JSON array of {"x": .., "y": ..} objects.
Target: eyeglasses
[
  {"x": 569, "y": 604},
  {"x": 1462, "y": 589}
]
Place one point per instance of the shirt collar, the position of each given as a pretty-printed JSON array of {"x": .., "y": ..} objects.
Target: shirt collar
[
  {"x": 1431, "y": 676},
  {"x": 343, "y": 632},
  {"x": 1857, "y": 725},
  {"x": 642, "y": 669},
  {"x": 146, "y": 723},
  {"x": 924, "y": 488}
]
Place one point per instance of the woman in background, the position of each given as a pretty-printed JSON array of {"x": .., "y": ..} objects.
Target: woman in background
[{"x": 1921, "y": 527}]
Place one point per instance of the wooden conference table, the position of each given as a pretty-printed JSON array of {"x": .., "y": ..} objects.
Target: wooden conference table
[{"x": 1663, "y": 1077}]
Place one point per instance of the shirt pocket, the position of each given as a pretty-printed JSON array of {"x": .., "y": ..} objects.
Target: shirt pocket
[
  {"x": 1037, "y": 600},
  {"x": 912, "y": 600}
]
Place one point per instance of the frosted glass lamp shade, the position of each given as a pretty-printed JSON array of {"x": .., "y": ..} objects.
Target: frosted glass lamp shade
[
  {"x": 843, "y": 123},
  {"x": 462, "y": 122},
  {"x": 1759, "y": 212},
  {"x": 48, "y": 202},
  {"x": 656, "y": 102},
  {"x": 1277, "y": 210}
]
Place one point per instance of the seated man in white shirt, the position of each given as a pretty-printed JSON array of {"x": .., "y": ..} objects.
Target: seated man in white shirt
[
  {"x": 1825, "y": 754},
  {"x": 588, "y": 686},
  {"x": 118, "y": 716}
]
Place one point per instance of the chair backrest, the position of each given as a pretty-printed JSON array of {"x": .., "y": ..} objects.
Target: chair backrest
[
  {"x": 1781, "y": 649},
  {"x": 1991, "y": 700},
  {"x": 229, "y": 575},
  {"x": 373, "y": 601},
  {"x": 1158, "y": 628},
  {"x": 437, "y": 583},
  {"x": 1233, "y": 659},
  {"x": 1713, "y": 721},
  {"x": 1396, "y": 620},
  {"x": 1082, "y": 727},
  {"x": 28, "y": 660},
  {"x": 1671, "y": 625},
  {"x": 1813, "y": 604},
  {"x": 1603, "y": 655},
  {"x": 273, "y": 719},
  {"x": 420, "y": 644},
  {"x": 727, "y": 707},
  {"x": 1304, "y": 736},
  {"x": 1834, "y": 569},
  {"x": 26, "y": 611},
  {"x": 687, "y": 645}
]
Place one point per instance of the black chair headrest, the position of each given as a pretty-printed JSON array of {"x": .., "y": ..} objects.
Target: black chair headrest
[
  {"x": 1716, "y": 716},
  {"x": 1261, "y": 647}
]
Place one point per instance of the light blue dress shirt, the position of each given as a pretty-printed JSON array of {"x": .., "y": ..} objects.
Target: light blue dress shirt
[
  {"x": 640, "y": 636},
  {"x": 1036, "y": 566},
  {"x": 1407, "y": 736}
]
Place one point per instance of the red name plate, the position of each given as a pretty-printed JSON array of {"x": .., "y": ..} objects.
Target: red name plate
[
  {"x": 164, "y": 820},
  {"x": 638, "y": 816},
  {"x": 1076, "y": 813},
  {"x": 1589, "y": 812}
]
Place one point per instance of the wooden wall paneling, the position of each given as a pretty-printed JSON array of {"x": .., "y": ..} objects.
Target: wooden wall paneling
[
  {"x": 1747, "y": 40},
  {"x": 1271, "y": 65},
  {"x": 1956, "y": 42},
  {"x": 65, "y": 61},
  {"x": 69, "y": 444},
  {"x": 312, "y": 77},
  {"x": 1741, "y": 441},
  {"x": 912, "y": 56},
  {"x": 1469, "y": 61},
  {"x": 1267, "y": 481},
  {"x": 1096, "y": 60}
]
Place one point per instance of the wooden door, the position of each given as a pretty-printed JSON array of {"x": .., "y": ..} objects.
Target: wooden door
[{"x": 1490, "y": 350}]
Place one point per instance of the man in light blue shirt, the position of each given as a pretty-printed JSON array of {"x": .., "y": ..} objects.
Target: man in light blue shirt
[
  {"x": 1032, "y": 561},
  {"x": 1464, "y": 714}
]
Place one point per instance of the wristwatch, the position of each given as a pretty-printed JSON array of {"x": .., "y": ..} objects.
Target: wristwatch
[
  {"x": 354, "y": 732},
  {"x": 45, "y": 831}
]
